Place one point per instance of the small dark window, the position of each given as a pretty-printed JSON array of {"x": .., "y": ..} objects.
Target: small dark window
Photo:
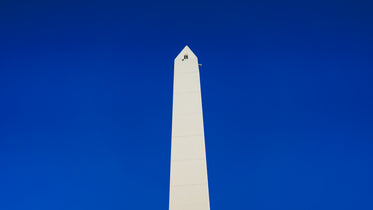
[{"x": 186, "y": 56}]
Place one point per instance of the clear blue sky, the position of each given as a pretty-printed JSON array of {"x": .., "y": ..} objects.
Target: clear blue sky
[{"x": 86, "y": 102}]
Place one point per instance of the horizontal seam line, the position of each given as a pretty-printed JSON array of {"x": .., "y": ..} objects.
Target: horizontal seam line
[
  {"x": 189, "y": 135},
  {"x": 189, "y": 159},
  {"x": 182, "y": 185},
  {"x": 186, "y": 91}
]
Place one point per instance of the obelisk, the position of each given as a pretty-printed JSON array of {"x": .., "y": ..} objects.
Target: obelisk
[{"x": 188, "y": 179}]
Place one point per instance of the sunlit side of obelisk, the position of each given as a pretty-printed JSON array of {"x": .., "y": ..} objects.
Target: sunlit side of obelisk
[{"x": 188, "y": 181}]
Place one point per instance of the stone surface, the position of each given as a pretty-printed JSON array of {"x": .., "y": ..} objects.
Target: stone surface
[{"x": 188, "y": 179}]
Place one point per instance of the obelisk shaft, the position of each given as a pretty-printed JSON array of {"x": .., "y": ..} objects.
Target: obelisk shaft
[{"x": 188, "y": 181}]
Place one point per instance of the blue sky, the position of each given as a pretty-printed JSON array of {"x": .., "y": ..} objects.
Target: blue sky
[{"x": 86, "y": 102}]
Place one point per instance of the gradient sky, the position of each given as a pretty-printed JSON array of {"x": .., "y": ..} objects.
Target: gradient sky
[{"x": 86, "y": 102}]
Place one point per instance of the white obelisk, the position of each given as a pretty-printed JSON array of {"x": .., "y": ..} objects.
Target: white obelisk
[{"x": 188, "y": 182}]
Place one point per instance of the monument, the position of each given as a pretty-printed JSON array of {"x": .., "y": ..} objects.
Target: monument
[{"x": 188, "y": 177}]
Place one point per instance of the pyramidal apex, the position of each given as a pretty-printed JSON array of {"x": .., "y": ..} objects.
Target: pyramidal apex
[{"x": 186, "y": 51}]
